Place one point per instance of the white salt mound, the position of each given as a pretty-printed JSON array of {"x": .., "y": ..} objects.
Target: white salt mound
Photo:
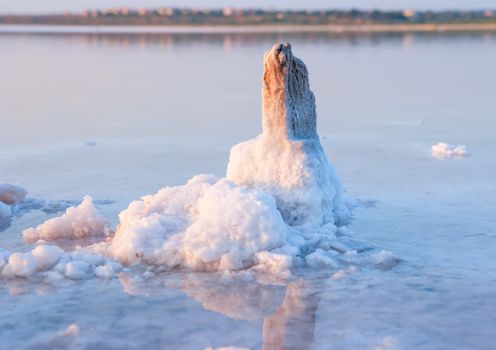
[
  {"x": 444, "y": 150},
  {"x": 78, "y": 222},
  {"x": 12, "y": 194},
  {"x": 207, "y": 224}
]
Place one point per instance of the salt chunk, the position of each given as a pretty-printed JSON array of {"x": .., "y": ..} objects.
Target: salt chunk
[
  {"x": 12, "y": 194},
  {"x": 384, "y": 260},
  {"x": 319, "y": 259},
  {"x": 78, "y": 222},
  {"x": 77, "y": 270},
  {"x": 72, "y": 330},
  {"x": 20, "y": 265},
  {"x": 46, "y": 256},
  {"x": 444, "y": 150}
]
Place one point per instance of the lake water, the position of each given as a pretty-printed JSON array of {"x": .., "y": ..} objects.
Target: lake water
[{"x": 118, "y": 116}]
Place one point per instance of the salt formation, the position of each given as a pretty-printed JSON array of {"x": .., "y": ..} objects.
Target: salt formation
[
  {"x": 281, "y": 204},
  {"x": 78, "y": 222},
  {"x": 443, "y": 150},
  {"x": 281, "y": 199},
  {"x": 207, "y": 224},
  {"x": 287, "y": 159}
]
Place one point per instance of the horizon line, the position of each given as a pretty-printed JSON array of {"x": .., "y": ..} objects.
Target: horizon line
[{"x": 234, "y": 8}]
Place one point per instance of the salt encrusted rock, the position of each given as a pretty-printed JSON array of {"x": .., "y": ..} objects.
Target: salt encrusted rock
[{"x": 287, "y": 159}]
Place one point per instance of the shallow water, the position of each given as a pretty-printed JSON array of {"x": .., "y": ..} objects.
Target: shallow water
[{"x": 113, "y": 116}]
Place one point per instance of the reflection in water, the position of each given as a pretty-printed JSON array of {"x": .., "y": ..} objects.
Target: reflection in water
[
  {"x": 230, "y": 41},
  {"x": 235, "y": 298},
  {"x": 287, "y": 310},
  {"x": 408, "y": 41},
  {"x": 292, "y": 325}
]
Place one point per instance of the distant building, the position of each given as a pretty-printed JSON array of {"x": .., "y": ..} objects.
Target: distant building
[
  {"x": 408, "y": 13},
  {"x": 166, "y": 11}
]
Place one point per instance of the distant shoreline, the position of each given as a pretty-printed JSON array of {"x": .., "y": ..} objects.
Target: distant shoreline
[{"x": 226, "y": 29}]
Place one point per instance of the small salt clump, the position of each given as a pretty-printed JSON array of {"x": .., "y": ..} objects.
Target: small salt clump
[
  {"x": 79, "y": 222},
  {"x": 12, "y": 194},
  {"x": 72, "y": 330},
  {"x": 20, "y": 265},
  {"x": 319, "y": 258},
  {"x": 53, "y": 264},
  {"x": 444, "y": 150},
  {"x": 384, "y": 260}
]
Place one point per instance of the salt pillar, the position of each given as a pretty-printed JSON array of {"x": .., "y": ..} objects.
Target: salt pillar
[
  {"x": 288, "y": 104},
  {"x": 287, "y": 159}
]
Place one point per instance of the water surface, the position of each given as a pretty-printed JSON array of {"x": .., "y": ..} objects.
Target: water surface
[{"x": 118, "y": 116}]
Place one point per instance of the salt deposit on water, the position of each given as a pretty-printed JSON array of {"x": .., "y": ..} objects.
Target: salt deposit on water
[
  {"x": 50, "y": 264},
  {"x": 444, "y": 150},
  {"x": 14, "y": 202},
  {"x": 281, "y": 199},
  {"x": 280, "y": 206},
  {"x": 12, "y": 194}
]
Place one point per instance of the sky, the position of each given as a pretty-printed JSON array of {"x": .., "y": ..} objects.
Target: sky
[{"x": 50, "y": 6}]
